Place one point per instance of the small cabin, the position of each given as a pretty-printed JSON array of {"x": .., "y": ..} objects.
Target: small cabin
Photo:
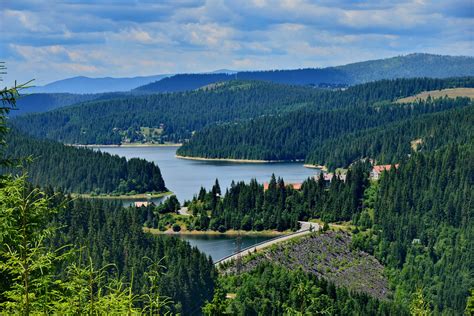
[
  {"x": 141, "y": 203},
  {"x": 295, "y": 186},
  {"x": 378, "y": 169}
]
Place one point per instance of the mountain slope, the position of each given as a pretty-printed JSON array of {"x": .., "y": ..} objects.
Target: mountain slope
[
  {"x": 409, "y": 66},
  {"x": 171, "y": 117},
  {"x": 391, "y": 143},
  {"x": 291, "y": 136},
  {"x": 81, "y": 170}
]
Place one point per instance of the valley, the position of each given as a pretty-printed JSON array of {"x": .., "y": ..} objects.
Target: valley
[{"x": 343, "y": 189}]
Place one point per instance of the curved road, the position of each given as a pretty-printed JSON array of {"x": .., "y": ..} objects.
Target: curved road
[{"x": 305, "y": 229}]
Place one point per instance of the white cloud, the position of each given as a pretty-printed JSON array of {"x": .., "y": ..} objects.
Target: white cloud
[{"x": 203, "y": 35}]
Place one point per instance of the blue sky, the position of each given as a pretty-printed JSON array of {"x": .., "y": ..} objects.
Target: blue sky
[{"x": 51, "y": 40}]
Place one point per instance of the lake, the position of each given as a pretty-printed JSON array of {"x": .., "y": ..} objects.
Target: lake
[
  {"x": 185, "y": 177},
  {"x": 220, "y": 246}
]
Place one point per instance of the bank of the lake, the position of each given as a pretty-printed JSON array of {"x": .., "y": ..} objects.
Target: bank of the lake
[
  {"x": 230, "y": 232},
  {"x": 185, "y": 177},
  {"x": 141, "y": 196},
  {"x": 319, "y": 167},
  {"x": 235, "y": 160},
  {"x": 128, "y": 145}
]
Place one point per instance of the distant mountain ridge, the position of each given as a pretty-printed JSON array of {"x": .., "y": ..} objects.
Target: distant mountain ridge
[
  {"x": 88, "y": 85},
  {"x": 409, "y": 66}
]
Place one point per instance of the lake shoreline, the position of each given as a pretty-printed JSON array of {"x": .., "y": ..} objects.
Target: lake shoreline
[
  {"x": 236, "y": 160},
  {"x": 231, "y": 232},
  {"x": 141, "y": 196},
  {"x": 126, "y": 145},
  {"x": 311, "y": 166}
]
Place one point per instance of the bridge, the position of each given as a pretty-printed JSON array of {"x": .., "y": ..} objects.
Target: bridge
[{"x": 306, "y": 228}]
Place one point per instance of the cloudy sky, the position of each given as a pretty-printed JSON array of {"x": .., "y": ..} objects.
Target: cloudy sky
[{"x": 51, "y": 40}]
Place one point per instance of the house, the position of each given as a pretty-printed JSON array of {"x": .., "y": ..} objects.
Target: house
[
  {"x": 378, "y": 169},
  {"x": 329, "y": 176},
  {"x": 295, "y": 186},
  {"x": 141, "y": 203}
]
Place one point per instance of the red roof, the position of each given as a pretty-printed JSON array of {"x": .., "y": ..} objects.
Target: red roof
[{"x": 296, "y": 186}]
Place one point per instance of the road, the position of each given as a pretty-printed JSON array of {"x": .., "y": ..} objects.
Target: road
[{"x": 304, "y": 230}]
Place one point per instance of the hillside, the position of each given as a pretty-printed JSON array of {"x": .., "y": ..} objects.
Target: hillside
[
  {"x": 327, "y": 255},
  {"x": 409, "y": 66},
  {"x": 86, "y": 85},
  {"x": 81, "y": 170},
  {"x": 392, "y": 142},
  {"x": 291, "y": 136},
  {"x": 171, "y": 117},
  {"x": 450, "y": 93}
]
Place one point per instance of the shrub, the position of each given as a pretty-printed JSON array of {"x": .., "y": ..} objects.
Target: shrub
[{"x": 176, "y": 228}]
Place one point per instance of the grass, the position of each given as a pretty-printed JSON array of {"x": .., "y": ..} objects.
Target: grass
[{"x": 451, "y": 93}]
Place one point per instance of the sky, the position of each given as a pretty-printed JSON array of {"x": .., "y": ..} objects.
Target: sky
[{"x": 51, "y": 40}]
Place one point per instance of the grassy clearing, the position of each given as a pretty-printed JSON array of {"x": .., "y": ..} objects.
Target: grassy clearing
[{"x": 451, "y": 93}]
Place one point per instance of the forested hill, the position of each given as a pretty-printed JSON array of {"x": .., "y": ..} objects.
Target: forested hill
[
  {"x": 81, "y": 170},
  {"x": 409, "y": 66},
  {"x": 169, "y": 117},
  {"x": 417, "y": 220},
  {"x": 390, "y": 143},
  {"x": 292, "y": 136}
]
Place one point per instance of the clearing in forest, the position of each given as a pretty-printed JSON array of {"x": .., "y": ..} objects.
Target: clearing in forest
[{"x": 451, "y": 93}]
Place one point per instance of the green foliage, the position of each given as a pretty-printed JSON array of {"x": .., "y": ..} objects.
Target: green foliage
[
  {"x": 176, "y": 228},
  {"x": 179, "y": 114},
  {"x": 270, "y": 289},
  {"x": 418, "y": 306},
  {"x": 393, "y": 142},
  {"x": 423, "y": 229},
  {"x": 82, "y": 170},
  {"x": 250, "y": 207},
  {"x": 331, "y": 115}
]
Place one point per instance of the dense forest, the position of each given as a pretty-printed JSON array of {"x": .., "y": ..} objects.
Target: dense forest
[
  {"x": 409, "y": 66},
  {"x": 173, "y": 116},
  {"x": 110, "y": 233},
  {"x": 418, "y": 220},
  {"x": 92, "y": 257},
  {"x": 73, "y": 256},
  {"x": 271, "y": 289},
  {"x": 250, "y": 207},
  {"x": 392, "y": 142},
  {"x": 292, "y": 136},
  {"x": 82, "y": 170}
]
